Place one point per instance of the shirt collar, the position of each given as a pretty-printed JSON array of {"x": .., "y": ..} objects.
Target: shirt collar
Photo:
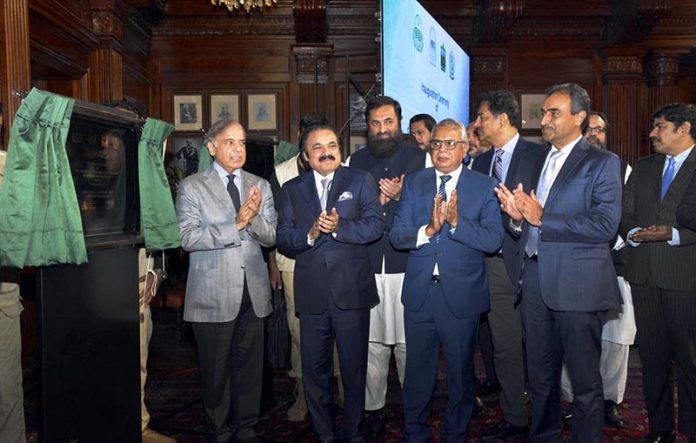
[
  {"x": 454, "y": 174},
  {"x": 221, "y": 171},
  {"x": 565, "y": 150},
  {"x": 318, "y": 178},
  {"x": 679, "y": 158},
  {"x": 510, "y": 145}
]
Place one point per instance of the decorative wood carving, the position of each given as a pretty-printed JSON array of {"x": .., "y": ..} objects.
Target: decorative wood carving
[
  {"x": 497, "y": 19},
  {"x": 312, "y": 63},
  {"x": 310, "y": 21},
  {"x": 618, "y": 68},
  {"x": 14, "y": 59},
  {"x": 661, "y": 69},
  {"x": 632, "y": 21}
]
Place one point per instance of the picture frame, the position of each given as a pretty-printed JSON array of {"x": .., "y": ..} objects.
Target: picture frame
[
  {"x": 530, "y": 110},
  {"x": 357, "y": 142},
  {"x": 262, "y": 112},
  {"x": 224, "y": 106},
  {"x": 188, "y": 112},
  {"x": 183, "y": 152}
]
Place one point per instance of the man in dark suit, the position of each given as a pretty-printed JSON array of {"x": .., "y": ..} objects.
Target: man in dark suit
[
  {"x": 388, "y": 160},
  {"x": 445, "y": 287},
  {"x": 686, "y": 212},
  {"x": 564, "y": 259},
  {"x": 497, "y": 122},
  {"x": 327, "y": 217},
  {"x": 225, "y": 216},
  {"x": 661, "y": 264}
]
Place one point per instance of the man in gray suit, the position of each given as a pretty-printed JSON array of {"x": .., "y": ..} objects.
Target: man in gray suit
[
  {"x": 661, "y": 263},
  {"x": 228, "y": 292}
]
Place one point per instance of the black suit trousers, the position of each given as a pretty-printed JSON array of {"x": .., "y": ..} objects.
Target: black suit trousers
[
  {"x": 230, "y": 357},
  {"x": 666, "y": 322},
  {"x": 550, "y": 338}
]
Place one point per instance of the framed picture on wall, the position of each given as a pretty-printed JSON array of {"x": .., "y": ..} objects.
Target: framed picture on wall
[
  {"x": 224, "y": 106},
  {"x": 530, "y": 108},
  {"x": 261, "y": 112},
  {"x": 188, "y": 112}
]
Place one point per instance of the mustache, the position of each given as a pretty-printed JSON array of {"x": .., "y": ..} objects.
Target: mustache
[{"x": 325, "y": 157}]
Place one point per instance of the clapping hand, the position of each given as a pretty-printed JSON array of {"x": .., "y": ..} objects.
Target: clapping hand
[{"x": 249, "y": 209}]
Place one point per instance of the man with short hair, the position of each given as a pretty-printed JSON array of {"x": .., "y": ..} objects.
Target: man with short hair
[
  {"x": 564, "y": 263},
  {"x": 225, "y": 216},
  {"x": 619, "y": 329},
  {"x": 498, "y": 122},
  {"x": 661, "y": 263},
  {"x": 476, "y": 148},
  {"x": 327, "y": 217},
  {"x": 388, "y": 161},
  {"x": 420, "y": 127},
  {"x": 445, "y": 286}
]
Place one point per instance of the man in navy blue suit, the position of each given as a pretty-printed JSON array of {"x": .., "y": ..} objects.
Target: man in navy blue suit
[
  {"x": 445, "y": 287},
  {"x": 565, "y": 225},
  {"x": 328, "y": 215}
]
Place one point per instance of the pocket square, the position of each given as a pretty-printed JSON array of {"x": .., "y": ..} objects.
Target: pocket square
[{"x": 345, "y": 196}]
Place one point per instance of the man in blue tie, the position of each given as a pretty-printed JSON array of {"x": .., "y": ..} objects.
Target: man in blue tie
[
  {"x": 445, "y": 286},
  {"x": 661, "y": 264},
  {"x": 565, "y": 224}
]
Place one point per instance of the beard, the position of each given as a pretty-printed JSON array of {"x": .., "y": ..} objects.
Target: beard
[
  {"x": 594, "y": 142},
  {"x": 383, "y": 147}
]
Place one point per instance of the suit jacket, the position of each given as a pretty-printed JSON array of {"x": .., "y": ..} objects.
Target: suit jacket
[
  {"x": 671, "y": 267},
  {"x": 222, "y": 257},
  {"x": 483, "y": 162},
  {"x": 686, "y": 212},
  {"x": 460, "y": 255},
  {"x": 581, "y": 216},
  {"x": 334, "y": 268}
]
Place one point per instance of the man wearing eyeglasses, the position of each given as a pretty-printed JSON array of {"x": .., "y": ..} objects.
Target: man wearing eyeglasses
[
  {"x": 445, "y": 287},
  {"x": 225, "y": 216}
]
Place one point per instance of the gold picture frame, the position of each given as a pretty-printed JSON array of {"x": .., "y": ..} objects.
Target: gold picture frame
[
  {"x": 530, "y": 110},
  {"x": 223, "y": 107},
  {"x": 188, "y": 112},
  {"x": 262, "y": 112}
]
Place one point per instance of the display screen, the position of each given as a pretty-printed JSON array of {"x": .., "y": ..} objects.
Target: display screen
[
  {"x": 422, "y": 66},
  {"x": 103, "y": 161}
]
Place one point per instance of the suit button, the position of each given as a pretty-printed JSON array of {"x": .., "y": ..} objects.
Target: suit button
[{"x": 242, "y": 266}]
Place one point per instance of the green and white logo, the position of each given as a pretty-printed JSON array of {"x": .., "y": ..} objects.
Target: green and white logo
[{"x": 418, "y": 34}]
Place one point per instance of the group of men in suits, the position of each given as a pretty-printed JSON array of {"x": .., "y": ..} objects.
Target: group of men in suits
[{"x": 526, "y": 235}]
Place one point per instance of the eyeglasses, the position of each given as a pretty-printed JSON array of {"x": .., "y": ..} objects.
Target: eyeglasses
[
  {"x": 447, "y": 145},
  {"x": 595, "y": 129}
]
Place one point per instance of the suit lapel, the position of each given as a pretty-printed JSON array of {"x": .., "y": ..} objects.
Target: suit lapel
[
  {"x": 339, "y": 183},
  {"x": 216, "y": 187},
  {"x": 309, "y": 192},
  {"x": 578, "y": 153},
  {"x": 683, "y": 177},
  {"x": 655, "y": 184}
]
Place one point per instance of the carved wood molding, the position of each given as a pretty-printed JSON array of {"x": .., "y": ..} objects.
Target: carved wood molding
[
  {"x": 255, "y": 25},
  {"x": 619, "y": 68},
  {"x": 662, "y": 69},
  {"x": 312, "y": 63},
  {"x": 310, "y": 21},
  {"x": 632, "y": 21},
  {"x": 497, "y": 19}
]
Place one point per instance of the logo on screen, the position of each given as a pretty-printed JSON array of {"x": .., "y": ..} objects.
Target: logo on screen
[
  {"x": 432, "y": 49},
  {"x": 451, "y": 64},
  {"x": 443, "y": 58},
  {"x": 418, "y": 34}
]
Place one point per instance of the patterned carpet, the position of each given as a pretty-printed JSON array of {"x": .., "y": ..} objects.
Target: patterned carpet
[{"x": 173, "y": 398}]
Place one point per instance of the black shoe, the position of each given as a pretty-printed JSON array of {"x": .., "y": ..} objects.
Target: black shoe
[
  {"x": 376, "y": 422},
  {"x": 612, "y": 414},
  {"x": 504, "y": 431},
  {"x": 489, "y": 388},
  {"x": 658, "y": 437},
  {"x": 567, "y": 414},
  {"x": 480, "y": 409}
]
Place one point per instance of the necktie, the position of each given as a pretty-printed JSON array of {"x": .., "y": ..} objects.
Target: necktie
[
  {"x": 443, "y": 196},
  {"x": 233, "y": 191},
  {"x": 667, "y": 178},
  {"x": 326, "y": 185},
  {"x": 545, "y": 182},
  {"x": 498, "y": 165}
]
